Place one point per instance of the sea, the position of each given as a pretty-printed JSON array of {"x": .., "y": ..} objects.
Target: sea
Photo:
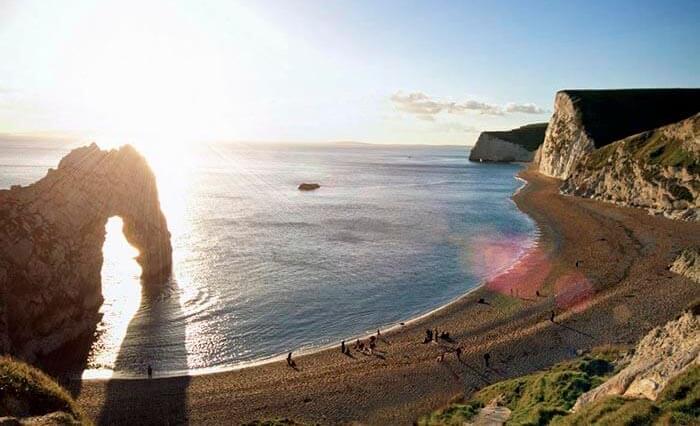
[{"x": 262, "y": 269}]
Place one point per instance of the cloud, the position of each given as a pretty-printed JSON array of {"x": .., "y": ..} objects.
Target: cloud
[
  {"x": 457, "y": 127},
  {"x": 426, "y": 108},
  {"x": 418, "y": 104},
  {"x": 527, "y": 108}
]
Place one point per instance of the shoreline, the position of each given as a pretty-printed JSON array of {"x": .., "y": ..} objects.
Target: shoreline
[
  {"x": 310, "y": 350},
  {"x": 623, "y": 252}
]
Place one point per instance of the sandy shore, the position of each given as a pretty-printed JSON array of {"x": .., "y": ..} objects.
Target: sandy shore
[{"x": 619, "y": 291}]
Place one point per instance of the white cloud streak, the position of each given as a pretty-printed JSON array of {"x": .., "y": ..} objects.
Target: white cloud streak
[{"x": 426, "y": 108}]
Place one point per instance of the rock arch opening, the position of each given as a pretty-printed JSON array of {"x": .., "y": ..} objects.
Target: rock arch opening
[
  {"x": 52, "y": 235},
  {"x": 121, "y": 291}
]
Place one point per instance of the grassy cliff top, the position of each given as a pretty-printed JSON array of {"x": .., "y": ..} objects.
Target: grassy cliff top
[
  {"x": 536, "y": 398},
  {"x": 671, "y": 145},
  {"x": 546, "y": 397},
  {"x": 27, "y": 392},
  {"x": 529, "y": 137},
  {"x": 611, "y": 115}
]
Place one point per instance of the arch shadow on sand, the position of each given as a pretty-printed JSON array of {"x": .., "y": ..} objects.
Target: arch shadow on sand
[{"x": 158, "y": 328}]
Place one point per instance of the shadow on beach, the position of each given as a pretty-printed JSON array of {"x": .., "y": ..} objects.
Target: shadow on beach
[{"x": 157, "y": 328}]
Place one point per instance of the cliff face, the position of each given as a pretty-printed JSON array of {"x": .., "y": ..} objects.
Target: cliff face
[
  {"x": 658, "y": 170},
  {"x": 585, "y": 120},
  {"x": 664, "y": 353},
  {"x": 513, "y": 145},
  {"x": 51, "y": 237}
]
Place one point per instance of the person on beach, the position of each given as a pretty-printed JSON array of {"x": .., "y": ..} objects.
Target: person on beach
[
  {"x": 372, "y": 344},
  {"x": 487, "y": 357},
  {"x": 378, "y": 334},
  {"x": 150, "y": 371},
  {"x": 290, "y": 361},
  {"x": 435, "y": 334},
  {"x": 342, "y": 346},
  {"x": 428, "y": 336},
  {"x": 357, "y": 344}
]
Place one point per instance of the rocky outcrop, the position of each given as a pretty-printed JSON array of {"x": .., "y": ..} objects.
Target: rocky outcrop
[
  {"x": 664, "y": 353},
  {"x": 513, "y": 145},
  {"x": 308, "y": 186},
  {"x": 585, "y": 120},
  {"x": 51, "y": 237},
  {"x": 658, "y": 170},
  {"x": 688, "y": 264}
]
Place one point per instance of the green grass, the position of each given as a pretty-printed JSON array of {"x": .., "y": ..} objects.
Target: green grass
[
  {"x": 546, "y": 397},
  {"x": 26, "y": 391},
  {"x": 454, "y": 415},
  {"x": 678, "y": 404},
  {"x": 534, "y": 399},
  {"x": 652, "y": 148}
]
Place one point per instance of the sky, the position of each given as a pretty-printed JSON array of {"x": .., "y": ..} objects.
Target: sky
[{"x": 430, "y": 72}]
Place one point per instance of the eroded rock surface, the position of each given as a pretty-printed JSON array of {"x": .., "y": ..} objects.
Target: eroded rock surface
[
  {"x": 688, "y": 264},
  {"x": 51, "y": 237},
  {"x": 585, "y": 120},
  {"x": 658, "y": 170},
  {"x": 664, "y": 353}
]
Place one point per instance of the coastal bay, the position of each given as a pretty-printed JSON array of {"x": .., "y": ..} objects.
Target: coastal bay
[{"x": 622, "y": 256}]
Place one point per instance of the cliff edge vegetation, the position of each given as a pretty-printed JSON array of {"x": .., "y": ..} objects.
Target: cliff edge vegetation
[
  {"x": 28, "y": 396},
  {"x": 658, "y": 170},
  {"x": 585, "y": 120},
  {"x": 658, "y": 382}
]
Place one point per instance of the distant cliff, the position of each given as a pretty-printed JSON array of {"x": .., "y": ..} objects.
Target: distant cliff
[
  {"x": 51, "y": 237},
  {"x": 585, "y": 120},
  {"x": 658, "y": 170},
  {"x": 512, "y": 145}
]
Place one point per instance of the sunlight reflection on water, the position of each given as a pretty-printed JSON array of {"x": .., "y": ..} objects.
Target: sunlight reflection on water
[
  {"x": 121, "y": 289},
  {"x": 260, "y": 268}
]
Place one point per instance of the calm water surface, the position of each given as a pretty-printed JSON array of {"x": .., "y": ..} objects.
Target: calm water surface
[{"x": 261, "y": 268}]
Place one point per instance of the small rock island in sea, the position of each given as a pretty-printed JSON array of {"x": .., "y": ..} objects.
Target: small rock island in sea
[{"x": 308, "y": 186}]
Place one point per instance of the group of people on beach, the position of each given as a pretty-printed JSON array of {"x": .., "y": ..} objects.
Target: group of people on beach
[
  {"x": 368, "y": 349},
  {"x": 434, "y": 336}
]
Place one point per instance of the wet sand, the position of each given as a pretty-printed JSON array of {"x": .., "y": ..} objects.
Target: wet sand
[{"x": 601, "y": 268}]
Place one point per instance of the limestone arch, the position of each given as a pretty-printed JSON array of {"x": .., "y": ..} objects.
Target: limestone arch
[{"x": 51, "y": 238}]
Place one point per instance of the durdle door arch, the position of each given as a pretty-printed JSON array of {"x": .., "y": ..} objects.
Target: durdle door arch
[{"x": 51, "y": 238}]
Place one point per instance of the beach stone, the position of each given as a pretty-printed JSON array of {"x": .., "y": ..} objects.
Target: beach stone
[
  {"x": 52, "y": 233},
  {"x": 688, "y": 264},
  {"x": 308, "y": 186}
]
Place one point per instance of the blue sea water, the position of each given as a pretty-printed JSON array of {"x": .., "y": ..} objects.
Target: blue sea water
[{"x": 262, "y": 268}]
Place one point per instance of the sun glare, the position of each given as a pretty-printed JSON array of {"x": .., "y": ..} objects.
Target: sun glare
[{"x": 121, "y": 290}]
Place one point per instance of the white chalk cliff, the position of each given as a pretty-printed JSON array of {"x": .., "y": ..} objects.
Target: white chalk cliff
[{"x": 517, "y": 145}]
